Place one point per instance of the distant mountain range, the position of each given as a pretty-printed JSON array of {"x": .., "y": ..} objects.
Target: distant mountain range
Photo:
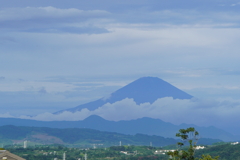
[
  {"x": 77, "y": 137},
  {"x": 146, "y": 89},
  {"x": 82, "y": 137},
  {"x": 145, "y": 125}
]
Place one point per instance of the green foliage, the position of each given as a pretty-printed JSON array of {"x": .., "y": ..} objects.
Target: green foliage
[
  {"x": 208, "y": 157},
  {"x": 47, "y": 153},
  {"x": 191, "y": 136},
  {"x": 225, "y": 151},
  {"x": 117, "y": 148}
]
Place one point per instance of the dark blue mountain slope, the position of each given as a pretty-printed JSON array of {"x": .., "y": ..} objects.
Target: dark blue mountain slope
[
  {"x": 145, "y": 125},
  {"x": 146, "y": 89}
]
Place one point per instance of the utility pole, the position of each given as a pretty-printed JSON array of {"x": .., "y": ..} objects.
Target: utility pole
[
  {"x": 64, "y": 156},
  {"x": 85, "y": 156}
]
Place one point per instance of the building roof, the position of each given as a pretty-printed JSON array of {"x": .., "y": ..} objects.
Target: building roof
[{"x": 9, "y": 156}]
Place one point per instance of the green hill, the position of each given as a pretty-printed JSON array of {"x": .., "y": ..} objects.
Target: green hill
[
  {"x": 225, "y": 151},
  {"x": 77, "y": 136}
]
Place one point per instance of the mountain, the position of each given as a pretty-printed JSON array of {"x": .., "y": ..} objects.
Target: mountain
[
  {"x": 146, "y": 89},
  {"x": 145, "y": 125},
  {"x": 77, "y": 137}
]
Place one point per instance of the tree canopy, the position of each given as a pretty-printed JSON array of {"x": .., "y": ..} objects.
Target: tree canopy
[{"x": 191, "y": 136}]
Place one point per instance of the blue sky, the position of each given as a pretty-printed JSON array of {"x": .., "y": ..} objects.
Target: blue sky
[{"x": 56, "y": 54}]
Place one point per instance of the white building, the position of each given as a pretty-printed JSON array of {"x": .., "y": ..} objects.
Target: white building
[
  {"x": 234, "y": 143},
  {"x": 199, "y": 147},
  {"x": 25, "y": 144},
  {"x": 163, "y": 151}
]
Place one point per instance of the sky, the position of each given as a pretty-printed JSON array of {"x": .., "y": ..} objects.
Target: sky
[{"x": 58, "y": 54}]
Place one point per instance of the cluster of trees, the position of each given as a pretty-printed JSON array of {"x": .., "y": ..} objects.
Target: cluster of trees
[
  {"x": 225, "y": 151},
  {"x": 191, "y": 136}
]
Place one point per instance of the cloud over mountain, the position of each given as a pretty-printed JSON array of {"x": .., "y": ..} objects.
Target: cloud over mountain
[
  {"x": 222, "y": 114},
  {"x": 149, "y": 97},
  {"x": 142, "y": 90},
  {"x": 154, "y": 98}
]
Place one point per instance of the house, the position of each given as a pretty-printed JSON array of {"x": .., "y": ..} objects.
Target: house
[
  {"x": 6, "y": 155},
  {"x": 199, "y": 147},
  {"x": 234, "y": 143},
  {"x": 163, "y": 151}
]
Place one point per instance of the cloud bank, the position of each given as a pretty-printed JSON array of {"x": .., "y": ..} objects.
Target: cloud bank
[
  {"x": 51, "y": 20},
  {"x": 194, "y": 111}
]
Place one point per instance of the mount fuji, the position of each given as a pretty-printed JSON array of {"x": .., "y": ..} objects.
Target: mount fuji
[{"x": 142, "y": 90}]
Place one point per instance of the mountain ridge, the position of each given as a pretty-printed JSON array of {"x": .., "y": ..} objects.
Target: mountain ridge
[
  {"x": 142, "y": 90},
  {"x": 143, "y": 125},
  {"x": 77, "y": 136}
]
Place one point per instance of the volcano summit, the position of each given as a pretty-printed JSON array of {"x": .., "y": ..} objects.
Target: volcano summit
[{"x": 142, "y": 90}]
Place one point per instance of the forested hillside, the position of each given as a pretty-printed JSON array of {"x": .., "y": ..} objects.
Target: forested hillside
[
  {"x": 82, "y": 137},
  {"x": 224, "y": 151},
  {"x": 77, "y": 136}
]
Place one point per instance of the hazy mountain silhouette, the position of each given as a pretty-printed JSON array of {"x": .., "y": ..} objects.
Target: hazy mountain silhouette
[
  {"x": 149, "y": 126},
  {"x": 146, "y": 89}
]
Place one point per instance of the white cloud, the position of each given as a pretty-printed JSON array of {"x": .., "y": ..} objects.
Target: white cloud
[
  {"x": 15, "y": 86},
  {"x": 50, "y": 12},
  {"x": 6, "y": 115},
  {"x": 199, "y": 112},
  {"x": 52, "y": 20},
  {"x": 235, "y": 4},
  {"x": 69, "y": 116}
]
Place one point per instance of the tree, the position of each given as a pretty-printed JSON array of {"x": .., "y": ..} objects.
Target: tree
[
  {"x": 208, "y": 157},
  {"x": 189, "y": 135}
]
